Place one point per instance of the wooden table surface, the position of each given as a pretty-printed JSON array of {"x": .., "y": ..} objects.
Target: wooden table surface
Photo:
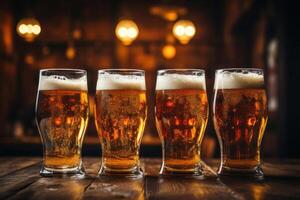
[{"x": 20, "y": 179}]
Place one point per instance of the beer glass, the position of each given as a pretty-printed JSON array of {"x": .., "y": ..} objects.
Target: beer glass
[
  {"x": 181, "y": 114},
  {"x": 120, "y": 115},
  {"x": 62, "y": 117},
  {"x": 240, "y": 117}
]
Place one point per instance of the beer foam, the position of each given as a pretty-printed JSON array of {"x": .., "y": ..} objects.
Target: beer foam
[
  {"x": 120, "y": 82},
  {"x": 180, "y": 81},
  {"x": 236, "y": 80},
  {"x": 62, "y": 83}
]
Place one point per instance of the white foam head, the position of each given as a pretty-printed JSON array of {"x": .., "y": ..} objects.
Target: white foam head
[
  {"x": 55, "y": 82},
  {"x": 180, "y": 81},
  {"x": 108, "y": 81},
  {"x": 236, "y": 80}
]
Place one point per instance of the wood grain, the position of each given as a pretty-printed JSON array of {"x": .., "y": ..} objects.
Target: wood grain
[
  {"x": 18, "y": 180},
  {"x": 55, "y": 188},
  {"x": 60, "y": 188},
  {"x": 115, "y": 188},
  {"x": 269, "y": 188},
  {"x": 188, "y": 188},
  {"x": 9, "y": 165},
  {"x": 21, "y": 180}
]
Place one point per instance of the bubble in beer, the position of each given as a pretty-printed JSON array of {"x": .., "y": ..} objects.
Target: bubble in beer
[
  {"x": 56, "y": 82},
  {"x": 235, "y": 80},
  {"x": 180, "y": 81},
  {"x": 120, "y": 82}
]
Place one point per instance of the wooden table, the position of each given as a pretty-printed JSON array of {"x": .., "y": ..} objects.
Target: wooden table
[{"x": 20, "y": 179}]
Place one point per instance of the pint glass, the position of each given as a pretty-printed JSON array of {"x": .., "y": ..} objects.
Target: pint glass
[
  {"x": 181, "y": 114},
  {"x": 120, "y": 115},
  {"x": 62, "y": 117},
  {"x": 240, "y": 117}
]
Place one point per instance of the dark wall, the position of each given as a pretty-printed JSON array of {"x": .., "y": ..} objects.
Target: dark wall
[{"x": 292, "y": 52}]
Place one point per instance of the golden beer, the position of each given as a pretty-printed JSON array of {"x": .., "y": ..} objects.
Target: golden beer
[
  {"x": 120, "y": 115},
  {"x": 62, "y": 117},
  {"x": 120, "y": 120},
  {"x": 240, "y": 117},
  {"x": 181, "y": 118}
]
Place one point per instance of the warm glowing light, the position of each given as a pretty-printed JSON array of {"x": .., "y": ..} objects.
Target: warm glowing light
[
  {"x": 29, "y": 29},
  {"x": 132, "y": 33},
  {"x": 127, "y": 31},
  {"x": 77, "y": 33},
  {"x": 29, "y": 59},
  {"x": 169, "y": 51},
  {"x": 179, "y": 30},
  {"x": 184, "y": 31},
  {"x": 70, "y": 52},
  {"x": 23, "y": 28},
  {"x": 171, "y": 15},
  {"x": 36, "y": 29}
]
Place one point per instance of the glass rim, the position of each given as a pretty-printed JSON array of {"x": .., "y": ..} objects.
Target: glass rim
[
  {"x": 180, "y": 70},
  {"x": 236, "y": 69},
  {"x": 121, "y": 70},
  {"x": 73, "y": 70}
]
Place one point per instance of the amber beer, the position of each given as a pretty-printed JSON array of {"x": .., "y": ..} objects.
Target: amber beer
[
  {"x": 120, "y": 116},
  {"x": 62, "y": 117},
  {"x": 240, "y": 117},
  {"x": 181, "y": 118}
]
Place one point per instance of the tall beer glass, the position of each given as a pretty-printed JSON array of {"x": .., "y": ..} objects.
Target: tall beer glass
[
  {"x": 181, "y": 117},
  {"x": 120, "y": 115},
  {"x": 62, "y": 117},
  {"x": 240, "y": 117}
]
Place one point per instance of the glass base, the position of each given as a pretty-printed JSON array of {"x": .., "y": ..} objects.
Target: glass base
[
  {"x": 194, "y": 172},
  {"x": 76, "y": 172},
  {"x": 255, "y": 172},
  {"x": 134, "y": 172}
]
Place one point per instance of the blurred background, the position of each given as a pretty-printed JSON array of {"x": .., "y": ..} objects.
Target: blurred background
[{"x": 149, "y": 35}]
